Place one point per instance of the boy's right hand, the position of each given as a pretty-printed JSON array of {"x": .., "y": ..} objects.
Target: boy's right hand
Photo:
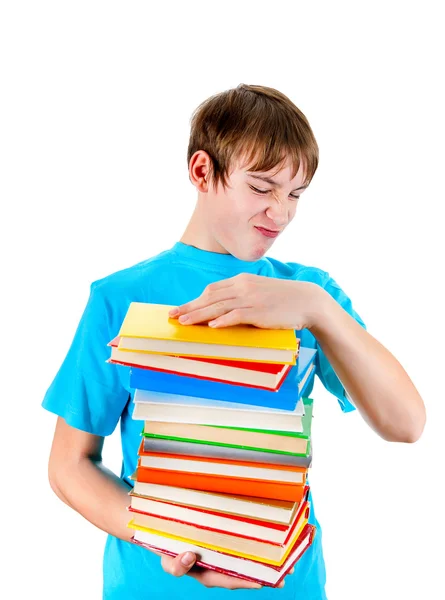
[{"x": 180, "y": 565}]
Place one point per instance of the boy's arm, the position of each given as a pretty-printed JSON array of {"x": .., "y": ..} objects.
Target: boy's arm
[
  {"x": 373, "y": 378},
  {"x": 78, "y": 478}
]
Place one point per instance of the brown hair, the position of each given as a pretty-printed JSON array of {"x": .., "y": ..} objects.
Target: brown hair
[{"x": 254, "y": 121}]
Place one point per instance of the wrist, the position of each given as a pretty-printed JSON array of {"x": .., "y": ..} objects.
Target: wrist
[{"x": 322, "y": 312}]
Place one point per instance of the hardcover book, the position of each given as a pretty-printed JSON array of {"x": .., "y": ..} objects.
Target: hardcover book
[
  {"x": 147, "y": 327},
  {"x": 225, "y": 541},
  {"x": 169, "y": 445},
  {"x": 278, "y": 511},
  {"x": 169, "y": 408},
  {"x": 261, "y": 529},
  {"x": 219, "y": 483},
  {"x": 262, "y": 375},
  {"x": 260, "y": 572},
  {"x": 285, "y": 398},
  {"x": 267, "y": 471}
]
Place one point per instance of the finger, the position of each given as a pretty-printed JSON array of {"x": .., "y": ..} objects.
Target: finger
[
  {"x": 209, "y": 296},
  {"x": 204, "y": 301},
  {"x": 211, "y": 578},
  {"x": 213, "y": 311},
  {"x": 234, "y": 317},
  {"x": 291, "y": 571},
  {"x": 178, "y": 565}
]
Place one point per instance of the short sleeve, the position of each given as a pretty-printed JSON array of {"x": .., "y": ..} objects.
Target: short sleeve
[
  {"x": 323, "y": 368},
  {"x": 87, "y": 391}
]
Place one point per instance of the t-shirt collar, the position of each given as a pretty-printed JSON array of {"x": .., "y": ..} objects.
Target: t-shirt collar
[{"x": 226, "y": 262}]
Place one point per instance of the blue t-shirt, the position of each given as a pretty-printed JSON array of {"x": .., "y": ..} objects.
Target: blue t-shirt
[{"x": 92, "y": 395}]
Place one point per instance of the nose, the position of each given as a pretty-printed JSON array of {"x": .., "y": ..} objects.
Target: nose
[{"x": 278, "y": 211}]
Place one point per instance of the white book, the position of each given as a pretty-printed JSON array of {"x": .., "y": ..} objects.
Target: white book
[
  {"x": 220, "y": 521},
  {"x": 205, "y": 467},
  {"x": 167, "y": 446},
  {"x": 172, "y": 408},
  {"x": 226, "y": 541},
  {"x": 234, "y": 565},
  {"x": 279, "y": 511}
]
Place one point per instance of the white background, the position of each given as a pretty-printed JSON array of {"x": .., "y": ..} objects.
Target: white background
[{"x": 96, "y": 100}]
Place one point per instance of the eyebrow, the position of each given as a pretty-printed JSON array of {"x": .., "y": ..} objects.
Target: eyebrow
[{"x": 272, "y": 181}]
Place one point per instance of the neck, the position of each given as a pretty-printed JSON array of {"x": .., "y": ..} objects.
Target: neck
[{"x": 197, "y": 234}]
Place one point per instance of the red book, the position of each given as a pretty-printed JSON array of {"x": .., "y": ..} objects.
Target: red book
[
  {"x": 235, "y": 566},
  {"x": 237, "y": 523},
  {"x": 222, "y": 530},
  {"x": 268, "y": 376}
]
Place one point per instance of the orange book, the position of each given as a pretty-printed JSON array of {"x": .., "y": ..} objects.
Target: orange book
[
  {"x": 217, "y": 483},
  {"x": 222, "y": 466}
]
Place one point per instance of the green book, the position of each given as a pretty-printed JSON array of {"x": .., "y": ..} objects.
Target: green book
[
  {"x": 306, "y": 421},
  {"x": 301, "y": 441}
]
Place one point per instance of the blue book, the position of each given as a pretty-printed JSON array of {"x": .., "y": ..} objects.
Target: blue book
[{"x": 285, "y": 398}]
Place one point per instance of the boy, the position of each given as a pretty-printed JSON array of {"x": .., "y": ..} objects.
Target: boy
[{"x": 251, "y": 154}]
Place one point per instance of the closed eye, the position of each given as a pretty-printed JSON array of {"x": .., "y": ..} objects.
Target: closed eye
[{"x": 267, "y": 191}]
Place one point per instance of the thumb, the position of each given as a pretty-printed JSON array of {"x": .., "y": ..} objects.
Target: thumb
[{"x": 178, "y": 565}]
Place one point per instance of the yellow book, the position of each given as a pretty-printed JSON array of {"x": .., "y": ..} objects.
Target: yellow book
[
  {"x": 148, "y": 328},
  {"x": 199, "y": 544}
]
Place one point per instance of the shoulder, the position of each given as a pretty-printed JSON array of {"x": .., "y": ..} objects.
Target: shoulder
[
  {"x": 300, "y": 272},
  {"x": 130, "y": 280},
  {"x": 110, "y": 296}
]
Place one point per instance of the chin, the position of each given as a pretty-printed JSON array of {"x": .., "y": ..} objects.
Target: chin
[
  {"x": 249, "y": 252},
  {"x": 254, "y": 253},
  {"x": 258, "y": 253}
]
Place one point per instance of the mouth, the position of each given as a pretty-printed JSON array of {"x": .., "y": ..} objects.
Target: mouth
[{"x": 269, "y": 233}]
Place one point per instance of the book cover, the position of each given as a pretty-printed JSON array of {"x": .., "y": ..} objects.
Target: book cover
[
  {"x": 276, "y": 531},
  {"x": 285, "y": 398},
  {"x": 274, "y": 441},
  {"x": 224, "y": 541},
  {"x": 262, "y": 375},
  {"x": 167, "y": 445},
  {"x": 218, "y": 548},
  {"x": 279, "y": 511},
  {"x": 260, "y": 367},
  {"x": 151, "y": 321},
  {"x": 227, "y": 485},
  {"x": 230, "y": 467},
  {"x": 169, "y": 408},
  {"x": 209, "y": 523},
  {"x": 266, "y": 575},
  {"x": 306, "y": 421},
  {"x": 275, "y": 380},
  {"x": 199, "y": 515}
]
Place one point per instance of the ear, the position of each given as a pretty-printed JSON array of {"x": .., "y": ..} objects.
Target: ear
[{"x": 199, "y": 170}]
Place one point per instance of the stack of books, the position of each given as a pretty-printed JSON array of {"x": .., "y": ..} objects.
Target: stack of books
[{"x": 225, "y": 448}]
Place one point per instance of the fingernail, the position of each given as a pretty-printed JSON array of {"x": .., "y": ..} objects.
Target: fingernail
[
  {"x": 188, "y": 559},
  {"x": 173, "y": 312},
  {"x": 183, "y": 318},
  {"x": 213, "y": 324}
]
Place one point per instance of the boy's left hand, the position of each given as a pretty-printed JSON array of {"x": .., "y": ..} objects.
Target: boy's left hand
[{"x": 265, "y": 302}]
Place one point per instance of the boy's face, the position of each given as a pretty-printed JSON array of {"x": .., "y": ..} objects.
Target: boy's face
[{"x": 245, "y": 219}]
